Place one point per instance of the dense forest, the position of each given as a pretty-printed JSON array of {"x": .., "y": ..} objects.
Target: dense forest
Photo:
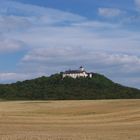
[{"x": 57, "y": 88}]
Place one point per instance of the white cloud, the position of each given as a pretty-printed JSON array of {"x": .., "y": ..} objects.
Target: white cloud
[
  {"x": 10, "y": 45},
  {"x": 109, "y": 12},
  {"x": 63, "y": 57},
  {"x": 95, "y": 25},
  {"x": 16, "y": 76},
  {"x": 13, "y": 76},
  {"x": 58, "y": 40},
  {"x": 43, "y": 14}
]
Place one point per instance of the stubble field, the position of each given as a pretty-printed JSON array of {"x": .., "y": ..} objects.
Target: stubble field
[{"x": 70, "y": 120}]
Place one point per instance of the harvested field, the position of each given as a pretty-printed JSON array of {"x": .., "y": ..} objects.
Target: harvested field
[{"x": 70, "y": 120}]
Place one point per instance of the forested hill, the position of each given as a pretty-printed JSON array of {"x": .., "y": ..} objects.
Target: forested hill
[{"x": 56, "y": 88}]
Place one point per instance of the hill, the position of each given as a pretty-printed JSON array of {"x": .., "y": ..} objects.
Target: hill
[{"x": 56, "y": 88}]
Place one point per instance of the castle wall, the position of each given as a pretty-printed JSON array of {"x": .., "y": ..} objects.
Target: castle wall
[{"x": 75, "y": 75}]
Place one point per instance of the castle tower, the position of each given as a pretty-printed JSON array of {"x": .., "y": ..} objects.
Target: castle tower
[{"x": 82, "y": 69}]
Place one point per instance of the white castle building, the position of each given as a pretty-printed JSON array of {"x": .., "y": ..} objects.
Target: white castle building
[{"x": 77, "y": 73}]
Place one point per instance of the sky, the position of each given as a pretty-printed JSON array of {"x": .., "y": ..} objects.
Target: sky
[{"x": 42, "y": 37}]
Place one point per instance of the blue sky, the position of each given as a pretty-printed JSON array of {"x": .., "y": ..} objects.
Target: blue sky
[{"x": 41, "y": 37}]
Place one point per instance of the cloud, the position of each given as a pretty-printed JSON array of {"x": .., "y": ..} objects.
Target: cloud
[
  {"x": 10, "y": 45},
  {"x": 48, "y": 15},
  {"x": 59, "y": 40},
  {"x": 109, "y": 12},
  {"x": 9, "y": 23},
  {"x": 137, "y": 2},
  {"x": 13, "y": 76},
  {"x": 96, "y": 25},
  {"x": 65, "y": 57},
  {"x": 131, "y": 81},
  {"x": 16, "y": 76}
]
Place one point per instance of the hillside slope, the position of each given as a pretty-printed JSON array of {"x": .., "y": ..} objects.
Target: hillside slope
[{"x": 56, "y": 88}]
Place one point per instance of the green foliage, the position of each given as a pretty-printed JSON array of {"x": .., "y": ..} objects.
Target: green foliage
[{"x": 57, "y": 88}]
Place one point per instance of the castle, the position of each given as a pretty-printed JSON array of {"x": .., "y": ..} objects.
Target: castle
[{"x": 77, "y": 73}]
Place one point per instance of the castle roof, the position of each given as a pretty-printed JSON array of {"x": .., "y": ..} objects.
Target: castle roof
[{"x": 73, "y": 71}]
